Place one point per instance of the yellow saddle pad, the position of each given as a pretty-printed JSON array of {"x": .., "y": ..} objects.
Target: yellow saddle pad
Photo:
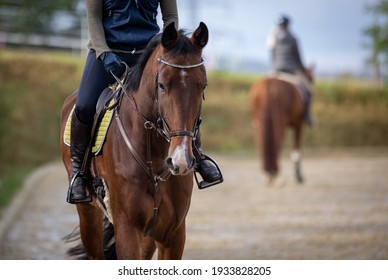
[{"x": 102, "y": 130}]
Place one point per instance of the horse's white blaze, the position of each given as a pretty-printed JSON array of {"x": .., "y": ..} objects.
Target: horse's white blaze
[
  {"x": 183, "y": 75},
  {"x": 179, "y": 157}
]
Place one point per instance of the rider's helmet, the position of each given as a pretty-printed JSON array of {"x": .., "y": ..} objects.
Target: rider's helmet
[{"x": 283, "y": 20}]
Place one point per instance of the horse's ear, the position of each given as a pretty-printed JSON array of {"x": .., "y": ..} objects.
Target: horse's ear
[
  {"x": 169, "y": 36},
  {"x": 200, "y": 36}
]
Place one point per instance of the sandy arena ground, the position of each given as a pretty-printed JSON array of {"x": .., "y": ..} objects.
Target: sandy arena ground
[{"x": 341, "y": 212}]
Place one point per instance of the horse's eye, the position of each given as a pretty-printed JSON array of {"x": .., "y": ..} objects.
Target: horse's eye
[
  {"x": 203, "y": 91},
  {"x": 162, "y": 87}
]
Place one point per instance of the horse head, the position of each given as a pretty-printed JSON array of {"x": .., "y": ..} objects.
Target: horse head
[
  {"x": 309, "y": 72},
  {"x": 181, "y": 81}
]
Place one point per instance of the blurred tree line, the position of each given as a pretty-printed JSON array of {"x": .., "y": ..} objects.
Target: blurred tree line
[
  {"x": 28, "y": 16},
  {"x": 378, "y": 36}
]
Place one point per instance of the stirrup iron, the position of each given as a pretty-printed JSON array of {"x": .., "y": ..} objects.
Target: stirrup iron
[
  {"x": 203, "y": 184},
  {"x": 88, "y": 197}
]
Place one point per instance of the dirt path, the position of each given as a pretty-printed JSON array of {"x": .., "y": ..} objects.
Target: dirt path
[{"x": 341, "y": 212}]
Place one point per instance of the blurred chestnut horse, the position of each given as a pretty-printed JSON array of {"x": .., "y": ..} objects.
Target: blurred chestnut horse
[
  {"x": 277, "y": 104},
  {"x": 149, "y": 139}
]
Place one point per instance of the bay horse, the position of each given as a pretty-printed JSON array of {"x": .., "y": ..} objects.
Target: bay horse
[
  {"x": 277, "y": 104},
  {"x": 149, "y": 139}
]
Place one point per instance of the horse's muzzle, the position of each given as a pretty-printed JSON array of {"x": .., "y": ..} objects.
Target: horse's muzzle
[{"x": 181, "y": 162}]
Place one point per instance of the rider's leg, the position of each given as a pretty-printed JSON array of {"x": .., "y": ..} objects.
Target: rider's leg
[
  {"x": 307, "y": 90},
  {"x": 79, "y": 141},
  {"x": 94, "y": 80},
  {"x": 307, "y": 109}
]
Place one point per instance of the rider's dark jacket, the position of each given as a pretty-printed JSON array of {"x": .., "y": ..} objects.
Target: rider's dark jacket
[
  {"x": 127, "y": 25},
  {"x": 285, "y": 52}
]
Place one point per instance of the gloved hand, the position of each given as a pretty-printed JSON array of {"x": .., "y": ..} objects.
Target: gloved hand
[{"x": 113, "y": 63}]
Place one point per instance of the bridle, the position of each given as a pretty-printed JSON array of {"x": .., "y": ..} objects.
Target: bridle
[
  {"x": 161, "y": 60},
  {"x": 160, "y": 125}
]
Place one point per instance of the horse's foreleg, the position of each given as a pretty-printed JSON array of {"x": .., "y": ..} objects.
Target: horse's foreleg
[
  {"x": 91, "y": 227},
  {"x": 131, "y": 242},
  {"x": 173, "y": 248},
  {"x": 128, "y": 240},
  {"x": 148, "y": 248},
  {"x": 296, "y": 155},
  {"x": 296, "y": 158}
]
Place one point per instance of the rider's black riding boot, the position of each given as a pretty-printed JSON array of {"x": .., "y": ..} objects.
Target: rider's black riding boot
[
  {"x": 307, "y": 97},
  {"x": 79, "y": 141},
  {"x": 206, "y": 167},
  {"x": 308, "y": 119}
]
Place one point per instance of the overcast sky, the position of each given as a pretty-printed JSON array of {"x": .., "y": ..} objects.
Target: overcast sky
[{"x": 329, "y": 31}]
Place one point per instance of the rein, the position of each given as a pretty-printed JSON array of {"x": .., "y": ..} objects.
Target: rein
[{"x": 148, "y": 125}]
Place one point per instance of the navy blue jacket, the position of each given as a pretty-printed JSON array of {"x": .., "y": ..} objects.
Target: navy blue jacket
[{"x": 129, "y": 24}]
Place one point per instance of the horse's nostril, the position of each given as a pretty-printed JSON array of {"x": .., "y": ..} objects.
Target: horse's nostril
[
  {"x": 169, "y": 162},
  {"x": 171, "y": 165}
]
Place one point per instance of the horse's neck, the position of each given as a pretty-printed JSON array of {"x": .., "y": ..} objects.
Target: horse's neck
[
  {"x": 144, "y": 139},
  {"x": 136, "y": 108},
  {"x": 144, "y": 99},
  {"x": 146, "y": 93}
]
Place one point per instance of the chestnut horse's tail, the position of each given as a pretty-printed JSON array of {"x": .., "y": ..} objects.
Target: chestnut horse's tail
[
  {"x": 78, "y": 251},
  {"x": 267, "y": 109},
  {"x": 269, "y": 139}
]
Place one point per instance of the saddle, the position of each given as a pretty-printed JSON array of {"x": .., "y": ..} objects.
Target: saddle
[
  {"x": 102, "y": 119},
  {"x": 302, "y": 85}
]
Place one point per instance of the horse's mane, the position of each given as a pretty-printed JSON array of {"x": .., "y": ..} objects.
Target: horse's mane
[{"x": 182, "y": 46}]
